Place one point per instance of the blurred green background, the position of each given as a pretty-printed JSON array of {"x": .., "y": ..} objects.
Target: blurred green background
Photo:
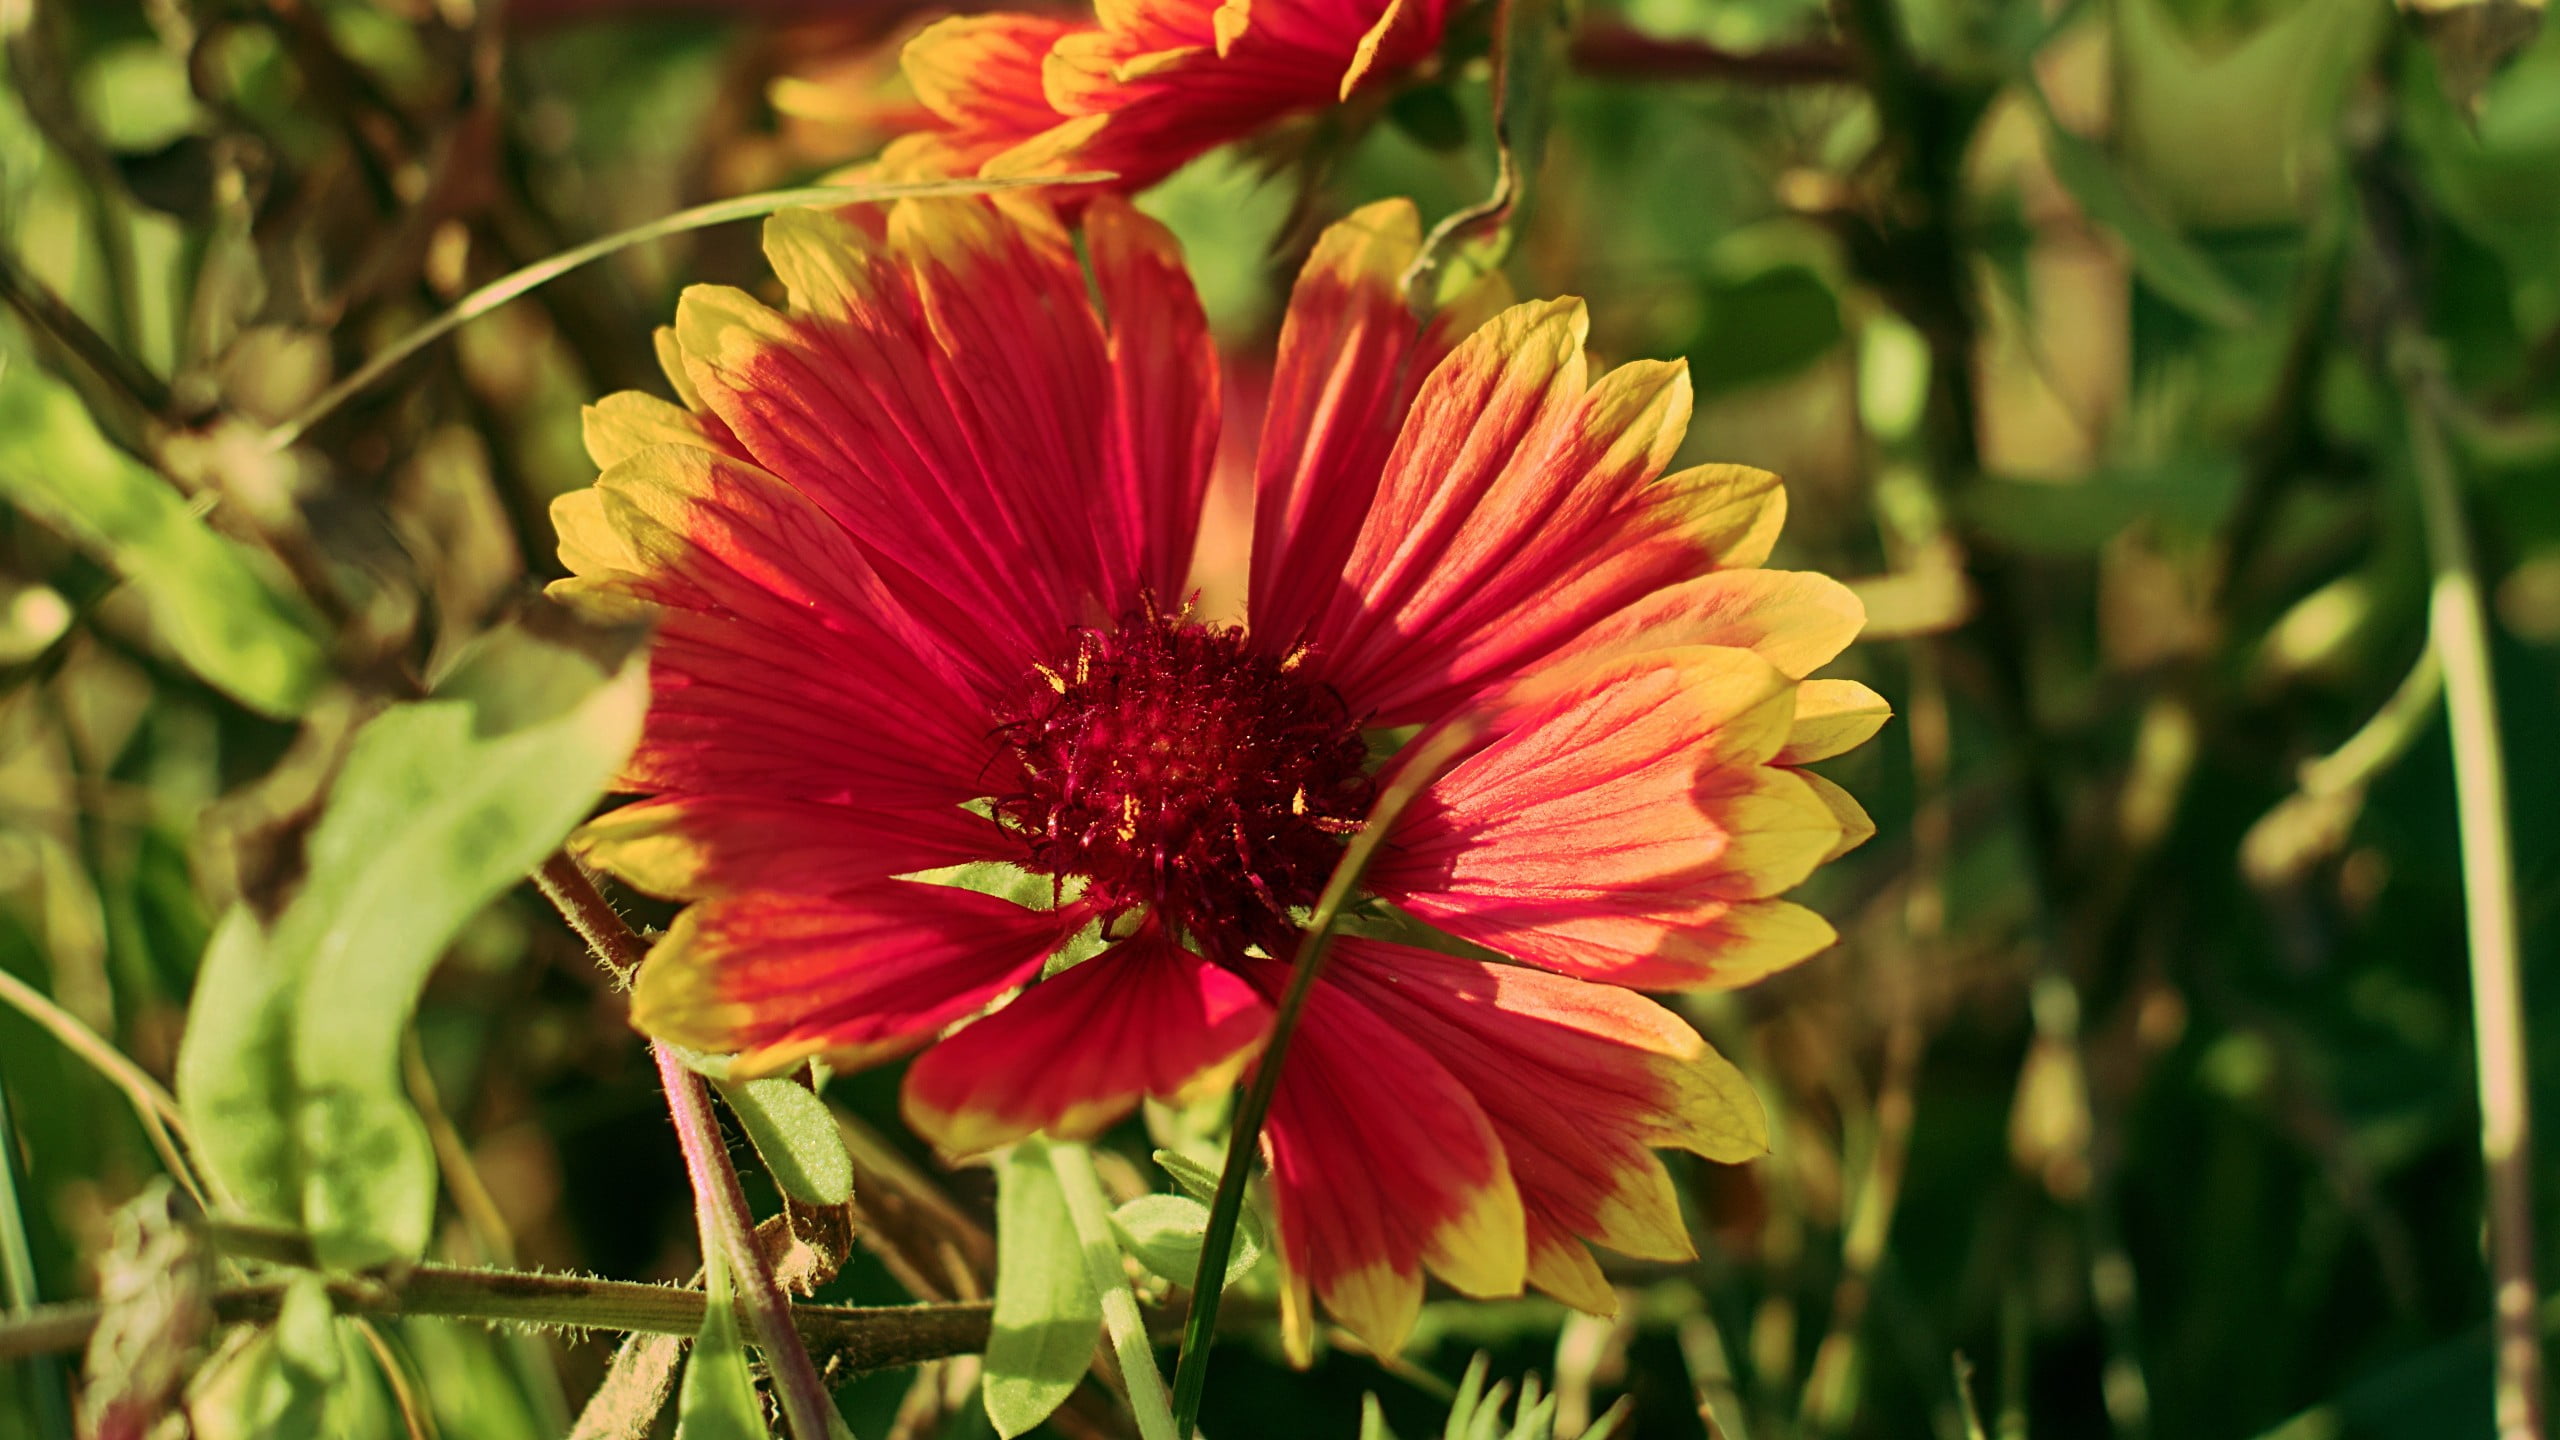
[{"x": 2101, "y": 344}]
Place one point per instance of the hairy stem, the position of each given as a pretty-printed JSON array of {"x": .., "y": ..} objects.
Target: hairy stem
[{"x": 864, "y": 1337}]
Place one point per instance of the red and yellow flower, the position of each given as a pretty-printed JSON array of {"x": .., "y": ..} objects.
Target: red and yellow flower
[
  {"x": 917, "y": 544},
  {"x": 1143, "y": 86}
]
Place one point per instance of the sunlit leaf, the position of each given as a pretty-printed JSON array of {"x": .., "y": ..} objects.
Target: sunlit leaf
[
  {"x": 291, "y": 1066},
  {"x": 796, "y": 1137},
  {"x": 1047, "y": 1316},
  {"x": 205, "y": 595}
]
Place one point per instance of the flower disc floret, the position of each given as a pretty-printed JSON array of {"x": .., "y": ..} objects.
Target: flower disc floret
[{"x": 1172, "y": 766}]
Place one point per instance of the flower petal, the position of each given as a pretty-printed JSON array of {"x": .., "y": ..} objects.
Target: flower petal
[
  {"x": 1383, "y": 1164},
  {"x": 859, "y": 978},
  {"x": 1797, "y": 621},
  {"x": 1581, "y": 1083},
  {"x": 1832, "y": 716},
  {"x": 686, "y": 847},
  {"x": 1076, "y": 1052},
  {"x": 1523, "y": 505},
  {"x": 1619, "y": 818},
  {"x": 782, "y": 666},
  {"x": 1164, "y": 391},
  {"x": 941, "y": 390}
]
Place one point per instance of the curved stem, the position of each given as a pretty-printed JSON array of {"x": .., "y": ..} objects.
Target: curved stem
[
  {"x": 1426, "y": 758},
  {"x": 152, "y": 1104},
  {"x": 2458, "y": 627},
  {"x": 1082, "y": 1190}
]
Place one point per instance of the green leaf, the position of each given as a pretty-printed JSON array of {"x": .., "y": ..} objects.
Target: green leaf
[
  {"x": 1373, "y": 1420},
  {"x": 2170, "y": 264},
  {"x": 1201, "y": 1183},
  {"x": 1047, "y": 1316},
  {"x": 796, "y": 1137},
  {"x": 718, "y": 1398},
  {"x": 278, "y": 1382},
  {"x": 435, "y": 813},
  {"x": 205, "y": 595},
  {"x": 1164, "y": 1232},
  {"x": 2187, "y": 496}
]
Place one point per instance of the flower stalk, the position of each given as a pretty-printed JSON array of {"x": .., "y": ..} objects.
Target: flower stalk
[{"x": 1091, "y": 1212}]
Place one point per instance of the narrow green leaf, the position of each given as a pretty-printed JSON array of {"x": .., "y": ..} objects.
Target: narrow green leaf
[
  {"x": 1471, "y": 1397},
  {"x": 2167, "y": 261},
  {"x": 718, "y": 1398},
  {"x": 1047, "y": 1316},
  {"x": 278, "y": 1382},
  {"x": 1164, "y": 1233},
  {"x": 1373, "y": 1420},
  {"x": 796, "y": 1137},
  {"x": 204, "y": 593}
]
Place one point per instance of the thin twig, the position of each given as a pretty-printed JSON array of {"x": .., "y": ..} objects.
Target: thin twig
[
  {"x": 2459, "y": 628},
  {"x": 1217, "y": 1242}
]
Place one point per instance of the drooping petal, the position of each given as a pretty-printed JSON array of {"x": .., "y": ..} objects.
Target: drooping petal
[
  {"x": 1382, "y": 1164},
  {"x": 1619, "y": 822},
  {"x": 783, "y": 668},
  {"x": 860, "y": 977},
  {"x": 686, "y": 847},
  {"x": 1077, "y": 1051},
  {"x": 1582, "y": 1082}
]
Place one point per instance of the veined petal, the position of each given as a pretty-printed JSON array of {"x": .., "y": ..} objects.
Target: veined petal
[
  {"x": 859, "y": 978},
  {"x": 1617, "y": 823},
  {"x": 686, "y": 847},
  {"x": 782, "y": 666},
  {"x": 1382, "y": 1164},
  {"x": 1581, "y": 1083},
  {"x": 1856, "y": 828},
  {"x": 1797, "y": 621},
  {"x": 982, "y": 72},
  {"x": 1164, "y": 391},
  {"x": 1077, "y": 1051}
]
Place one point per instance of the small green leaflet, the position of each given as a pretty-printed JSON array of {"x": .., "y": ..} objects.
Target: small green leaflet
[
  {"x": 1164, "y": 1233},
  {"x": 207, "y": 597},
  {"x": 1047, "y": 1316},
  {"x": 796, "y": 1137},
  {"x": 2167, "y": 261}
]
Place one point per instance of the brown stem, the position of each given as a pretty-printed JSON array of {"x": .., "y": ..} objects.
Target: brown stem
[
  {"x": 1623, "y": 52},
  {"x": 863, "y": 1337}
]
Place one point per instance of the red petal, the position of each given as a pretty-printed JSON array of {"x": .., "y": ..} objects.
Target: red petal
[
  {"x": 1076, "y": 1051},
  {"x": 1580, "y": 1081},
  {"x": 860, "y": 978},
  {"x": 1381, "y": 1164},
  {"x": 686, "y": 847},
  {"x": 1164, "y": 390}
]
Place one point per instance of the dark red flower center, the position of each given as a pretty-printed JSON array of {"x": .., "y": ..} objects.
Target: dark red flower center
[{"x": 1171, "y": 766}]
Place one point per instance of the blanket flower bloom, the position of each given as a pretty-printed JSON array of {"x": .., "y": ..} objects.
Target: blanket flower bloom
[
  {"x": 1145, "y": 85},
  {"x": 915, "y": 543}
]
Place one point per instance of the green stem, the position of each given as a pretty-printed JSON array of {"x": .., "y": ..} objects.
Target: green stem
[
  {"x": 1082, "y": 1189},
  {"x": 2458, "y": 627},
  {"x": 48, "y": 1396},
  {"x": 1217, "y": 1243},
  {"x": 514, "y": 286}
]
